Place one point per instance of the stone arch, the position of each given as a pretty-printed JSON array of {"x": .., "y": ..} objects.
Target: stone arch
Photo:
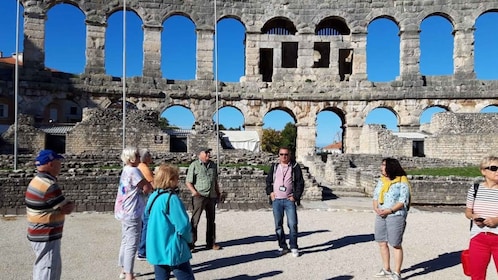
[
  {"x": 231, "y": 48},
  {"x": 284, "y": 109},
  {"x": 279, "y": 26},
  {"x": 485, "y": 56},
  {"x": 332, "y": 25},
  {"x": 339, "y": 113},
  {"x": 384, "y": 16},
  {"x": 434, "y": 108},
  {"x": 176, "y": 107},
  {"x": 384, "y": 107},
  {"x": 177, "y": 49},
  {"x": 169, "y": 14},
  {"x": 53, "y": 112},
  {"x": 490, "y": 108},
  {"x": 117, "y": 104},
  {"x": 55, "y": 58},
  {"x": 441, "y": 52},
  {"x": 222, "y": 116},
  {"x": 113, "y": 49},
  {"x": 383, "y": 31},
  {"x": 442, "y": 14}
]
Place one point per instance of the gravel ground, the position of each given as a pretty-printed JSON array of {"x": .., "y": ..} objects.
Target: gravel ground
[{"x": 335, "y": 244}]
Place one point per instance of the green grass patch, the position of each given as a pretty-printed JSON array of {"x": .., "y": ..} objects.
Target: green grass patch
[{"x": 467, "y": 171}]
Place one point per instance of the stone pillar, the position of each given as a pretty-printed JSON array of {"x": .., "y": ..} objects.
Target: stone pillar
[
  {"x": 205, "y": 47},
  {"x": 463, "y": 54},
  {"x": 252, "y": 58},
  {"x": 204, "y": 136},
  {"x": 334, "y": 62},
  {"x": 95, "y": 47},
  {"x": 305, "y": 52},
  {"x": 359, "y": 43},
  {"x": 34, "y": 40},
  {"x": 306, "y": 139},
  {"x": 350, "y": 143},
  {"x": 152, "y": 51},
  {"x": 410, "y": 56}
]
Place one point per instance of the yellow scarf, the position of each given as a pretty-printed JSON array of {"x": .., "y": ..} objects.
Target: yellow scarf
[{"x": 386, "y": 183}]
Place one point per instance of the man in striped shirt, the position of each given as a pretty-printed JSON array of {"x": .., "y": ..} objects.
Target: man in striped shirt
[{"x": 46, "y": 208}]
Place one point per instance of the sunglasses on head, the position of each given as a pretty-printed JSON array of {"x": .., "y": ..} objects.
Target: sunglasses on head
[{"x": 492, "y": 168}]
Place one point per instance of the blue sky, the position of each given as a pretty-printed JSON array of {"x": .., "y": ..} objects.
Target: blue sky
[{"x": 65, "y": 51}]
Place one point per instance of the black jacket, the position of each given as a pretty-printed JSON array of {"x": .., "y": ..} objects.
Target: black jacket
[{"x": 297, "y": 180}]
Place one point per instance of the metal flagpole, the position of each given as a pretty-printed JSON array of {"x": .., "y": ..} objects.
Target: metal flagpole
[
  {"x": 124, "y": 74},
  {"x": 216, "y": 87},
  {"x": 16, "y": 84}
]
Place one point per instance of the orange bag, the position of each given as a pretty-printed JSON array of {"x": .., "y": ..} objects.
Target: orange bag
[{"x": 466, "y": 262}]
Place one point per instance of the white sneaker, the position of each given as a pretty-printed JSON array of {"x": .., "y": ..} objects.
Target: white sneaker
[
  {"x": 295, "y": 253},
  {"x": 383, "y": 273},
  {"x": 122, "y": 275}
]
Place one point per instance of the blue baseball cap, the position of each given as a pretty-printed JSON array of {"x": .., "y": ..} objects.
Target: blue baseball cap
[{"x": 46, "y": 156}]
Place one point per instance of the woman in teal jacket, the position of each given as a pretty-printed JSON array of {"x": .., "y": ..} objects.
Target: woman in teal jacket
[{"x": 169, "y": 231}]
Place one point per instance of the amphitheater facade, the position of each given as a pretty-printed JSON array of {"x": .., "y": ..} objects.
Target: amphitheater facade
[{"x": 303, "y": 57}]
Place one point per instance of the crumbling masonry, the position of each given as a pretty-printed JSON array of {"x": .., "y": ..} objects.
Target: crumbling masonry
[{"x": 303, "y": 57}]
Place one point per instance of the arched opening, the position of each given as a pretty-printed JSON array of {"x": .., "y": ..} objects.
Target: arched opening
[
  {"x": 177, "y": 121},
  {"x": 329, "y": 132},
  {"x": 486, "y": 44},
  {"x": 231, "y": 50},
  {"x": 279, "y": 129},
  {"x": 383, "y": 50},
  {"x": 436, "y": 46},
  {"x": 426, "y": 116},
  {"x": 65, "y": 39},
  {"x": 178, "y": 47},
  {"x": 384, "y": 117},
  {"x": 8, "y": 13},
  {"x": 114, "y": 45}
]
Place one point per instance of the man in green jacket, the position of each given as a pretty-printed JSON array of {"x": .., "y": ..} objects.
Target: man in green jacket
[{"x": 202, "y": 181}]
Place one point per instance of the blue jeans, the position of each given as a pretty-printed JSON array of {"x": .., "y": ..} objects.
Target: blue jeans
[
  {"x": 182, "y": 271},
  {"x": 143, "y": 236},
  {"x": 281, "y": 206}
]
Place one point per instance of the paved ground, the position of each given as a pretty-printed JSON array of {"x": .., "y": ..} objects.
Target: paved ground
[{"x": 336, "y": 242}]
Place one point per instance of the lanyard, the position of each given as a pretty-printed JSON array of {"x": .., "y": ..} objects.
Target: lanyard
[{"x": 284, "y": 173}]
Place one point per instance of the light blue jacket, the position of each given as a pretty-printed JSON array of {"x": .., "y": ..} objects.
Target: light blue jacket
[{"x": 168, "y": 230}]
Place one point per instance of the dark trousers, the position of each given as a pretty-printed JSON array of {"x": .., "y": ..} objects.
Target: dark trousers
[{"x": 199, "y": 204}]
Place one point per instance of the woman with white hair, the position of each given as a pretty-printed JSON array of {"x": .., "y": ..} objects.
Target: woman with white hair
[{"x": 129, "y": 208}]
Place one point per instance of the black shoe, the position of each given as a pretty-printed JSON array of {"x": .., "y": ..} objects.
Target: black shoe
[{"x": 282, "y": 251}]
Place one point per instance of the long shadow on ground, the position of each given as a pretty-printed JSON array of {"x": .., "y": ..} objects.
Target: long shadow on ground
[
  {"x": 254, "y": 277},
  {"x": 338, "y": 243},
  {"x": 443, "y": 261},
  {"x": 262, "y": 238},
  {"x": 234, "y": 260}
]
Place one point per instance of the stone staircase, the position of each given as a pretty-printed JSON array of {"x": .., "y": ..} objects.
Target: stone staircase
[{"x": 315, "y": 188}]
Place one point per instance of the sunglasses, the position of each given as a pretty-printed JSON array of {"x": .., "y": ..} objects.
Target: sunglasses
[
  {"x": 492, "y": 168},
  {"x": 284, "y": 154}
]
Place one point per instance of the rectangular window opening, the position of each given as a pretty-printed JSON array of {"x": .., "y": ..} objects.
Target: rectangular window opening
[
  {"x": 345, "y": 64},
  {"x": 266, "y": 64},
  {"x": 321, "y": 55},
  {"x": 289, "y": 54}
]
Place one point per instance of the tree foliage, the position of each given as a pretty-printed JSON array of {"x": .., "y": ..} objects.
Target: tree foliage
[
  {"x": 289, "y": 135},
  {"x": 272, "y": 139},
  {"x": 164, "y": 124}
]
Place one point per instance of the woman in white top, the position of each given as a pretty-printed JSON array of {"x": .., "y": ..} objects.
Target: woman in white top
[{"x": 483, "y": 210}]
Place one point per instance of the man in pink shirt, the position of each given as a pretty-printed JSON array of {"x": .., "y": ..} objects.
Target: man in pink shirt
[{"x": 285, "y": 185}]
